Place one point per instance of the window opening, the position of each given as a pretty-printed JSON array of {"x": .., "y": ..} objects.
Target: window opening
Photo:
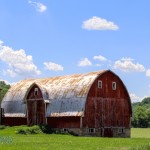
[
  {"x": 120, "y": 130},
  {"x": 35, "y": 91},
  {"x": 91, "y": 130},
  {"x": 114, "y": 85},
  {"x": 99, "y": 84}
]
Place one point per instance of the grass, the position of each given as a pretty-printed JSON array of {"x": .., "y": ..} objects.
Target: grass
[
  {"x": 140, "y": 133},
  {"x": 140, "y": 139}
]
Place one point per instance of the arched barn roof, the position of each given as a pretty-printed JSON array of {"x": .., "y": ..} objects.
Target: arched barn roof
[{"x": 66, "y": 95}]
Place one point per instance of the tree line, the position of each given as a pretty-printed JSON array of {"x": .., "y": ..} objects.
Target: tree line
[
  {"x": 141, "y": 114},
  {"x": 3, "y": 89}
]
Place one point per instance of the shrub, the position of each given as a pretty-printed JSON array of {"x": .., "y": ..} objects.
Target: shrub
[
  {"x": 2, "y": 127},
  {"x": 29, "y": 130},
  {"x": 46, "y": 129},
  {"x": 21, "y": 131},
  {"x": 33, "y": 130},
  {"x": 72, "y": 133}
]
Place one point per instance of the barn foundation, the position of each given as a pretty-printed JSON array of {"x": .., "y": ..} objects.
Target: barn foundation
[{"x": 96, "y": 133}]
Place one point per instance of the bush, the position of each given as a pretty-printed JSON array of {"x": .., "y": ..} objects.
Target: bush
[
  {"x": 41, "y": 129},
  {"x": 21, "y": 131},
  {"x": 34, "y": 130},
  {"x": 46, "y": 129},
  {"x": 72, "y": 133},
  {"x": 2, "y": 127},
  {"x": 29, "y": 130}
]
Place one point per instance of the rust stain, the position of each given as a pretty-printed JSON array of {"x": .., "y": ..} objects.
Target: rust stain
[{"x": 66, "y": 94}]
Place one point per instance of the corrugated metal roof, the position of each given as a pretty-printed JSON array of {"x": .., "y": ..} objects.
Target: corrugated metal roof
[
  {"x": 14, "y": 115},
  {"x": 67, "y": 94}
]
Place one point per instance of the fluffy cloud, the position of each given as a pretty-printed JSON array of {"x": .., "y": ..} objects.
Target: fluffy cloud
[
  {"x": 148, "y": 73},
  {"x": 100, "y": 58},
  {"x": 135, "y": 98},
  {"x": 84, "y": 62},
  {"x": 1, "y": 42},
  {"x": 127, "y": 65},
  {"x": 98, "y": 65},
  {"x": 96, "y": 23},
  {"x": 53, "y": 66},
  {"x": 19, "y": 64},
  {"x": 38, "y": 6}
]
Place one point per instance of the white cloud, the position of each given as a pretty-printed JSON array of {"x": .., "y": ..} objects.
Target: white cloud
[
  {"x": 127, "y": 65},
  {"x": 10, "y": 72},
  {"x": 96, "y": 23},
  {"x": 53, "y": 66},
  {"x": 84, "y": 62},
  {"x": 148, "y": 73},
  {"x": 19, "y": 64},
  {"x": 98, "y": 65},
  {"x": 1, "y": 42},
  {"x": 38, "y": 6},
  {"x": 100, "y": 58},
  {"x": 135, "y": 98}
]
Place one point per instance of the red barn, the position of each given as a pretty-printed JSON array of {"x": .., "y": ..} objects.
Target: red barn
[{"x": 95, "y": 104}]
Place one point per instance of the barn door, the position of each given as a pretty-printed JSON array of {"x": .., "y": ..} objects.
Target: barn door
[
  {"x": 35, "y": 106},
  {"x": 36, "y": 112},
  {"x": 108, "y": 132},
  {"x": 40, "y": 114}
]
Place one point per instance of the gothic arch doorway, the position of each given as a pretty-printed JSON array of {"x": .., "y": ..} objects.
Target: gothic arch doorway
[{"x": 35, "y": 106}]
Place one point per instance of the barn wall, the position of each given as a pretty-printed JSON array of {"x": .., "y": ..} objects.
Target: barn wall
[
  {"x": 63, "y": 122},
  {"x": 107, "y": 109},
  {"x": 14, "y": 121}
]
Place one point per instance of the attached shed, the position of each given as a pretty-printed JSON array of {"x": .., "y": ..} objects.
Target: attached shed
[{"x": 95, "y": 104}]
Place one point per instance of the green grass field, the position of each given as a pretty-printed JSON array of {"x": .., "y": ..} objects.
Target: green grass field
[{"x": 9, "y": 140}]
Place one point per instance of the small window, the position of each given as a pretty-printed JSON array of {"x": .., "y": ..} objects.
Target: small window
[
  {"x": 120, "y": 130},
  {"x": 99, "y": 84},
  {"x": 91, "y": 130},
  {"x": 114, "y": 85},
  {"x": 35, "y": 91}
]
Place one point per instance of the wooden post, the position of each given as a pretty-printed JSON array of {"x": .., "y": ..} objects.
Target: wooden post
[
  {"x": 45, "y": 115},
  {"x": 27, "y": 112},
  {"x": 81, "y": 122}
]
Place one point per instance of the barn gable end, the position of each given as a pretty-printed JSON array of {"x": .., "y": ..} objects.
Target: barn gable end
[
  {"x": 108, "y": 109},
  {"x": 96, "y": 104}
]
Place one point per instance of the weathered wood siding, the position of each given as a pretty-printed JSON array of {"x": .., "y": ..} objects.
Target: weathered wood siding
[
  {"x": 63, "y": 122},
  {"x": 106, "y": 107},
  {"x": 11, "y": 121}
]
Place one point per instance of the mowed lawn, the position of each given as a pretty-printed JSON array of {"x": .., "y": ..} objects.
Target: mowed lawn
[{"x": 9, "y": 140}]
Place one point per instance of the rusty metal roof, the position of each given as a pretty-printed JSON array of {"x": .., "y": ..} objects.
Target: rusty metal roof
[
  {"x": 66, "y": 94},
  {"x": 14, "y": 115}
]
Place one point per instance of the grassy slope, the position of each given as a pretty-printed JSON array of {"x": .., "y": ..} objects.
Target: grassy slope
[{"x": 64, "y": 142}]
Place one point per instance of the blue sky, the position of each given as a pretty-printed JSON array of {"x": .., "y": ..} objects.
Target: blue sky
[{"x": 51, "y": 38}]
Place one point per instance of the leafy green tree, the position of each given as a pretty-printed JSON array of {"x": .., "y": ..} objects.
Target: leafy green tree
[
  {"x": 141, "y": 114},
  {"x": 4, "y": 88}
]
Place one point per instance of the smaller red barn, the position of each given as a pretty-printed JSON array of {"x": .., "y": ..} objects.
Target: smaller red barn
[{"x": 95, "y": 104}]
